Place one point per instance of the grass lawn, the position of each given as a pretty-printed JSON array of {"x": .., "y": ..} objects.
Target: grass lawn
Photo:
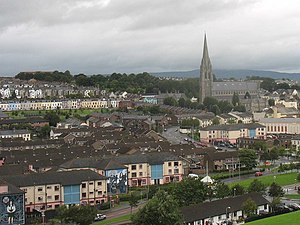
[
  {"x": 288, "y": 219},
  {"x": 295, "y": 196},
  {"x": 281, "y": 179},
  {"x": 114, "y": 220}
]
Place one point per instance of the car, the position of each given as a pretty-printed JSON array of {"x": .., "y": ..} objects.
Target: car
[
  {"x": 258, "y": 174},
  {"x": 99, "y": 217},
  {"x": 294, "y": 206}
]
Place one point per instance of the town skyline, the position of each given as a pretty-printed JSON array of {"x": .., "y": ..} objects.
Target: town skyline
[{"x": 102, "y": 37}]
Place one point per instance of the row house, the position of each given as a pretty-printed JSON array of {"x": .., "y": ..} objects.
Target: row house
[
  {"x": 152, "y": 168},
  {"x": 12, "y": 134},
  {"x": 223, "y": 210},
  {"x": 231, "y": 132},
  {"x": 64, "y": 104},
  {"x": 45, "y": 191},
  {"x": 242, "y": 117},
  {"x": 11, "y": 196},
  {"x": 133, "y": 170}
]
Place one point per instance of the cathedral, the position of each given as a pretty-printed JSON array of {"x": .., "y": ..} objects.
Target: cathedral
[{"x": 248, "y": 91}]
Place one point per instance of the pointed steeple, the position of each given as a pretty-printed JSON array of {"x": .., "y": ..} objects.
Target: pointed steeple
[
  {"x": 205, "y": 58},
  {"x": 206, "y": 76}
]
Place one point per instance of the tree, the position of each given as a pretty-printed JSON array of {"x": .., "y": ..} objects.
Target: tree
[
  {"x": 216, "y": 121},
  {"x": 275, "y": 190},
  {"x": 249, "y": 207},
  {"x": 208, "y": 102},
  {"x": 181, "y": 102},
  {"x": 298, "y": 177},
  {"x": 215, "y": 109},
  {"x": 238, "y": 189},
  {"x": 276, "y": 201},
  {"x": 52, "y": 117},
  {"x": 274, "y": 154},
  {"x": 44, "y": 132},
  {"x": 271, "y": 102},
  {"x": 189, "y": 191},
  {"x": 170, "y": 101},
  {"x": 162, "y": 209},
  {"x": 240, "y": 108},
  {"x": 257, "y": 186},
  {"x": 81, "y": 215},
  {"x": 222, "y": 190},
  {"x": 248, "y": 158},
  {"x": 61, "y": 213},
  {"x": 235, "y": 99},
  {"x": 133, "y": 200}
]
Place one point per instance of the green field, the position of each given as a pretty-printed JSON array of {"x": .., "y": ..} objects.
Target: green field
[
  {"x": 114, "y": 220},
  {"x": 292, "y": 196},
  {"x": 287, "y": 219},
  {"x": 281, "y": 179}
]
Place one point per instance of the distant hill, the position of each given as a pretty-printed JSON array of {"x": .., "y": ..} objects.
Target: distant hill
[{"x": 237, "y": 74}]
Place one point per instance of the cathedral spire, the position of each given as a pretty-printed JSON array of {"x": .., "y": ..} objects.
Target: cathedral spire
[
  {"x": 206, "y": 75},
  {"x": 205, "y": 58}
]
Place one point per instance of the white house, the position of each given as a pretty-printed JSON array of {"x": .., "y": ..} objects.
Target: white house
[{"x": 219, "y": 211}]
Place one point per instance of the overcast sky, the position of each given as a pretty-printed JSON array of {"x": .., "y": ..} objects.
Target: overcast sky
[{"x": 106, "y": 36}]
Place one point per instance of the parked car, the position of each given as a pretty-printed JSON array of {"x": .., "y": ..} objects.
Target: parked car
[
  {"x": 100, "y": 217},
  {"x": 258, "y": 174},
  {"x": 294, "y": 206}
]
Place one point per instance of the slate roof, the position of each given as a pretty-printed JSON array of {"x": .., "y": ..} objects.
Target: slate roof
[
  {"x": 12, "y": 132},
  {"x": 280, "y": 120},
  {"x": 215, "y": 208},
  {"x": 97, "y": 163},
  {"x": 235, "y": 85},
  {"x": 64, "y": 177},
  {"x": 11, "y": 188}
]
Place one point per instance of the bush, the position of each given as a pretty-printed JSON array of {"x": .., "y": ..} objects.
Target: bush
[{"x": 103, "y": 206}]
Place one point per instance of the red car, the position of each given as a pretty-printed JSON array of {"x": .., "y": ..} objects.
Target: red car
[{"x": 258, "y": 174}]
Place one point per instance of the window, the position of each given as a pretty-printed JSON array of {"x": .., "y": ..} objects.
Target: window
[
  {"x": 140, "y": 174},
  {"x": 99, "y": 183},
  {"x": 56, "y": 188},
  {"x": 49, "y": 197},
  {"x": 133, "y": 167},
  {"x": 49, "y": 187},
  {"x": 40, "y": 189},
  {"x": 141, "y": 166},
  {"x": 91, "y": 193},
  {"x": 175, "y": 163},
  {"x": 169, "y": 164},
  {"x": 91, "y": 183},
  {"x": 133, "y": 175},
  {"x": 25, "y": 199},
  {"x": 83, "y": 185},
  {"x": 176, "y": 170},
  {"x": 40, "y": 198},
  {"x": 99, "y": 192},
  {"x": 56, "y": 197},
  {"x": 83, "y": 195},
  {"x": 170, "y": 171}
]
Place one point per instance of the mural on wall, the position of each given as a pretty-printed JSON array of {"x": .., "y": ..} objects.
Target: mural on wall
[
  {"x": 117, "y": 181},
  {"x": 12, "y": 209}
]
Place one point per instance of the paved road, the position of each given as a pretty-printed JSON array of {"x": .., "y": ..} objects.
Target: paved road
[{"x": 173, "y": 135}]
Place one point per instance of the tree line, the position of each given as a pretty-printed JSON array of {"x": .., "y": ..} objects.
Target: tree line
[{"x": 140, "y": 83}]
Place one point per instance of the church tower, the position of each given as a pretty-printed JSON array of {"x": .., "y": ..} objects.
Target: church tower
[{"x": 206, "y": 75}]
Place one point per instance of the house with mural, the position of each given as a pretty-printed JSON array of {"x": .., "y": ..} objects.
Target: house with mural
[{"x": 11, "y": 204}]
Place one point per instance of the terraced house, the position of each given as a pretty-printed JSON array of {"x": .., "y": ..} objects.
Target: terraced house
[
  {"x": 49, "y": 190},
  {"x": 231, "y": 132}
]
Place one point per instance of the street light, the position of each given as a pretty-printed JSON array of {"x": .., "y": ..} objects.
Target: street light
[
  {"x": 234, "y": 189},
  {"x": 226, "y": 212}
]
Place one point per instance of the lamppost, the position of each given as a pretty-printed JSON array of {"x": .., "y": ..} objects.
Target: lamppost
[
  {"x": 227, "y": 212},
  {"x": 234, "y": 189}
]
